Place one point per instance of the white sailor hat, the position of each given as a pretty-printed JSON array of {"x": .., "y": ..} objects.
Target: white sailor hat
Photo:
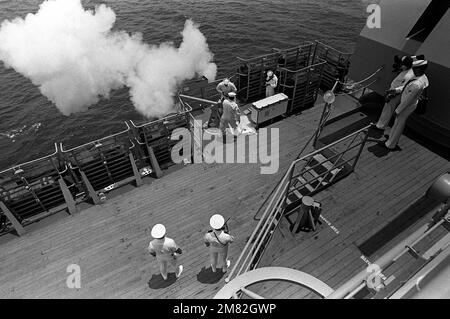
[
  {"x": 420, "y": 63},
  {"x": 231, "y": 94},
  {"x": 216, "y": 221},
  {"x": 158, "y": 231}
]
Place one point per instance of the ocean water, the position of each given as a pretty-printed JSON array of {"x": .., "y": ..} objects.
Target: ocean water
[{"x": 30, "y": 124}]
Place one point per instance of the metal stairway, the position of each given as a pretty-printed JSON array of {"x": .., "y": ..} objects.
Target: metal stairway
[
  {"x": 306, "y": 175},
  {"x": 319, "y": 172}
]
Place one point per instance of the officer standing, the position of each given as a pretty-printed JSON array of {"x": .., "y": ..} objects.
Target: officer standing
[
  {"x": 231, "y": 114},
  {"x": 393, "y": 95},
  {"x": 271, "y": 83},
  {"x": 165, "y": 250},
  {"x": 408, "y": 102},
  {"x": 218, "y": 240}
]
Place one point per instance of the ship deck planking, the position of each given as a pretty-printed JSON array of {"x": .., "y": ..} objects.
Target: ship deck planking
[{"x": 109, "y": 241}]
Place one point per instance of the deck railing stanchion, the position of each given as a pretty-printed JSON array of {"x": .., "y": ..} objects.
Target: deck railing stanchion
[
  {"x": 137, "y": 176},
  {"x": 363, "y": 143},
  {"x": 14, "y": 221},
  {"x": 90, "y": 189},
  {"x": 289, "y": 181},
  {"x": 70, "y": 202},
  {"x": 154, "y": 162}
]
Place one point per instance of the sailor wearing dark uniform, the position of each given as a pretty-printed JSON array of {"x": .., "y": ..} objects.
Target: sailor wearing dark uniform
[
  {"x": 393, "y": 95},
  {"x": 217, "y": 240},
  {"x": 165, "y": 250},
  {"x": 408, "y": 101}
]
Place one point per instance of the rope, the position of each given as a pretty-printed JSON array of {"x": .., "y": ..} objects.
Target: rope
[
  {"x": 364, "y": 80},
  {"x": 357, "y": 90}
]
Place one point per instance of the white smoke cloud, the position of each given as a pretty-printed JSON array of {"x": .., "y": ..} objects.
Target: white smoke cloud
[{"x": 74, "y": 58}]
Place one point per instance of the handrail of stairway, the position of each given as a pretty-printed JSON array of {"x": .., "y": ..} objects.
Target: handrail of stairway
[
  {"x": 264, "y": 222},
  {"x": 313, "y": 137}
]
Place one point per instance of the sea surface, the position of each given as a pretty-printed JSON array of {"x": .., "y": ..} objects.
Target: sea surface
[{"x": 30, "y": 125}]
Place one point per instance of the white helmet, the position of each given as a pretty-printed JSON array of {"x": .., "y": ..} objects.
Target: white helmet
[
  {"x": 158, "y": 231},
  {"x": 269, "y": 73},
  {"x": 216, "y": 221}
]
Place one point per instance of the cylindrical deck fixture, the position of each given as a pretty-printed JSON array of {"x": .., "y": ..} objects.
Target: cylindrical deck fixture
[
  {"x": 307, "y": 202},
  {"x": 304, "y": 216},
  {"x": 440, "y": 189}
]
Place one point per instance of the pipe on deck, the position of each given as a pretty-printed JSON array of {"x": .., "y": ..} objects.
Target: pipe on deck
[{"x": 386, "y": 259}]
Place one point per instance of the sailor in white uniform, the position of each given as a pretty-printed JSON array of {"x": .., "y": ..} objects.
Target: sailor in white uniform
[
  {"x": 165, "y": 250},
  {"x": 394, "y": 93},
  {"x": 231, "y": 115},
  {"x": 408, "y": 101},
  {"x": 271, "y": 83},
  {"x": 218, "y": 240}
]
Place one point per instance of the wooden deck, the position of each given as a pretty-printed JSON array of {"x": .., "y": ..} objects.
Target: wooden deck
[
  {"x": 373, "y": 209},
  {"x": 109, "y": 241}
]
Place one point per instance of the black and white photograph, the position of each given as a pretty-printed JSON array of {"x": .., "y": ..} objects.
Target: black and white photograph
[{"x": 206, "y": 154}]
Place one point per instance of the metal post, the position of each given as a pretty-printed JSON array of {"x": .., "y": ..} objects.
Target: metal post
[
  {"x": 154, "y": 162},
  {"x": 293, "y": 94},
  {"x": 305, "y": 212},
  {"x": 16, "y": 224},
  {"x": 366, "y": 136},
  {"x": 325, "y": 114},
  {"x": 137, "y": 176},
  {"x": 90, "y": 189},
  {"x": 71, "y": 206},
  {"x": 291, "y": 173}
]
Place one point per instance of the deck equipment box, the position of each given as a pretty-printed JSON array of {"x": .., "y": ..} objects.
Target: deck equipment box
[{"x": 269, "y": 108}]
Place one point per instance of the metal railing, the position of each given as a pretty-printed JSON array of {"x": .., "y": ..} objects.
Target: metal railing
[
  {"x": 296, "y": 57},
  {"x": 99, "y": 166},
  {"x": 36, "y": 189},
  {"x": 301, "y": 85},
  {"x": 259, "y": 239},
  {"x": 338, "y": 64},
  {"x": 33, "y": 190}
]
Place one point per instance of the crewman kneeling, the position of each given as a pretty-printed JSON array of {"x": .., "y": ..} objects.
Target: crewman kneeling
[
  {"x": 165, "y": 250},
  {"x": 218, "y": 240}
]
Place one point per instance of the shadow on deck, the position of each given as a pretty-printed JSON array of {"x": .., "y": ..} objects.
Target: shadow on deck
[{"x": 402, "y": 222}]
